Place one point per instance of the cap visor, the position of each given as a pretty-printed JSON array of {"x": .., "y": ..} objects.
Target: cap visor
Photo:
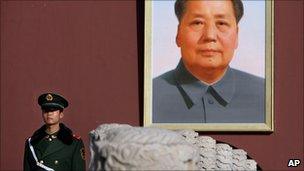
[{"x": 51, "y": 106}]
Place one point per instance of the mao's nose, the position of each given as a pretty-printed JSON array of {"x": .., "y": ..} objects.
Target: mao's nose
[{"x": 209, "y": 33}]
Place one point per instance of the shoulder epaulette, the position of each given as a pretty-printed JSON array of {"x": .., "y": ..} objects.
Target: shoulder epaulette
[{"x": 77, "y": 137}]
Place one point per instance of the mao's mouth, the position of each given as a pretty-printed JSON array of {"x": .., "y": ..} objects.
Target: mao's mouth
[{"x": 209, "y": 52}]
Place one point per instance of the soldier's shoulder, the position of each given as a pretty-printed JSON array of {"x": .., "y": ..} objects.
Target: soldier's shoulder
[
  {"x": 27, "y": 140},
  {"x": 77, "y": 137}
]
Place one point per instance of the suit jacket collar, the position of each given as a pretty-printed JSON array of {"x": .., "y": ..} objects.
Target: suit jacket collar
[{"x": 193, "y": 89}]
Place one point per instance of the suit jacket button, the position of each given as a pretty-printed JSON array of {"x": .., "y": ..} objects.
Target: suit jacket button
[
  {"x": 56, "y": 162},
  {"x": 210, "y": 101},
  {"x": 41, "y": 161}
]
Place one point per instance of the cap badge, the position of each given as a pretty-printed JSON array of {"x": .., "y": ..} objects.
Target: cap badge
[{"x": 49, "y": 97}]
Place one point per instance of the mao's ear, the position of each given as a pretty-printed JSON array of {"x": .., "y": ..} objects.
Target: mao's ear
[
  {"x": 237, "y": 38},
  {"x": 177, "y": 38}
]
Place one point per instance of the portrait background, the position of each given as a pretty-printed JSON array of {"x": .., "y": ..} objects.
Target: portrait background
[
  {"x": 261, "y": 65},
  {"x": 249, "y": 56}
]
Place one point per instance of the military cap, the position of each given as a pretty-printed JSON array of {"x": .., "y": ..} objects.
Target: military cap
[{"x": 52, "y": 101}]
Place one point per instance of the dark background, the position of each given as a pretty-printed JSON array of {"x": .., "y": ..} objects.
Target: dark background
[{"x": 92, "y": 53}]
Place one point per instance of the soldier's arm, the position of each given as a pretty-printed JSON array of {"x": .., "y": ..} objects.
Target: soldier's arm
[
  {"x": 26, "y": 164},
  {"x": 78, "y": 162}
]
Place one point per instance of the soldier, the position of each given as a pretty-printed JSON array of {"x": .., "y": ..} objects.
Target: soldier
[{"x": 53, "y": 146}]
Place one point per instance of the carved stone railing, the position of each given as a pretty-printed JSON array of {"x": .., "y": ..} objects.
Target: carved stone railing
[
  {"x": 218, "y": 156},
  {"x": 123, "y": 147}
]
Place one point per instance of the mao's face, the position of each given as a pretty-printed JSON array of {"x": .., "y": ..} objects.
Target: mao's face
[{"x": 207, "y": 34}]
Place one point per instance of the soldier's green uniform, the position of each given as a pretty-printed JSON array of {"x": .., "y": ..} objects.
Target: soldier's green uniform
[{"x": 60, "y": 151}]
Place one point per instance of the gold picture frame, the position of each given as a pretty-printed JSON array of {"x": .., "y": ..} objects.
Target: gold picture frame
[{"x": 268, "y": 126}]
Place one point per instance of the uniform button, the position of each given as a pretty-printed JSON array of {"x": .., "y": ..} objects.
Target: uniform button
[
  {"x": 210, "y": 101},
  {"x": 50, "y": 139},
  {"x": 56, "y": 162},
  {"x": 41, "y": 161}
]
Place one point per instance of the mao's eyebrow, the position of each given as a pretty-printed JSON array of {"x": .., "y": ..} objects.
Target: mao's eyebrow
[{"x": 223, "y": 16}]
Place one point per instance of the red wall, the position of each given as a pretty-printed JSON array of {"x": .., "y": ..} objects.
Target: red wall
[{"x": 92, "y": 53}]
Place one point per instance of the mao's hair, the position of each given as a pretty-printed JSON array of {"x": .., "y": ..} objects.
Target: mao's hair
[{"x": 180, "y": 8}]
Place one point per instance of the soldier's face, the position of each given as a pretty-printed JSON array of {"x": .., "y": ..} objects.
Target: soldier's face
[
  {"x": 52, "y": 117},
  {"x": 207, "y": 34}
]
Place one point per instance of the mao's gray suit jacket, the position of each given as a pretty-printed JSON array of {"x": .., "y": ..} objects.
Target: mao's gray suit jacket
[{"x": 178, "y": 97}]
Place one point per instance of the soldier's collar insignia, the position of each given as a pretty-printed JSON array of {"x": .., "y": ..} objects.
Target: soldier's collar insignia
[{"x": 49, "y": 97}]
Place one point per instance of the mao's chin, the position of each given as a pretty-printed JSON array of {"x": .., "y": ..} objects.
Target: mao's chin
[
  {"x": 205, "y": 64},
  {"x": 210, "y": 63}
]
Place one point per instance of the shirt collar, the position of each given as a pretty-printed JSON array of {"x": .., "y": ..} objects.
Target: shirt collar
[{"x": 193, "y": 89}]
